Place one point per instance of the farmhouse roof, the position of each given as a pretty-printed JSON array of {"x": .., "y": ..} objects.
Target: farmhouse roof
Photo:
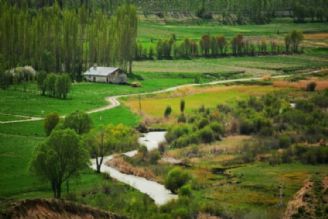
[{"x": 100, "y": 71}]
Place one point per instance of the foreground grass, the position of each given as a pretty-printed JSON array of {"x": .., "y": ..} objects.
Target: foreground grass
[{"x": 248, "y": 190}]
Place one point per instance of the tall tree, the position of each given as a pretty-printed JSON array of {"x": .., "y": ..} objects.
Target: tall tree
[{"x": 59, "y": 158}]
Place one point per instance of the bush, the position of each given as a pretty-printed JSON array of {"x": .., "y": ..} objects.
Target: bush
[
  {"x": 50, "y": 122},
  {"x": 143, "y": 151},
  {"x": 154, "y": 156},
  {"x": 206, "y": 135},
  {"x": 167, "y": 111},
  {"x": 217, "y": 129},
  {"x": 182, "y": 118},
  {"x": 181, "y": 213},
  {"x": 175, "y": 179},
  {"x": 246, "y": 127},
  {"x": 78, "y": 121},
  {"x": 185, "y": 190},
  {"x": 202, "y": 123},
  {"x": 311, "y": 86},
  {"x": 176, "y": 132},
  {"x": 284, "y": 141},
  {"x": 161, "y": 147},
  {"x": 197, "y": 80}
]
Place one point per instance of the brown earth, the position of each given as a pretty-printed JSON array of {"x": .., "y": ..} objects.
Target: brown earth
[
  {"x": 298, "y": 201},
  {"x": 124, "y": 167},
  {"x": 306, "y": 201},
  {"x": 321, "y": 84},
  {"x": 54, "y": 209}
]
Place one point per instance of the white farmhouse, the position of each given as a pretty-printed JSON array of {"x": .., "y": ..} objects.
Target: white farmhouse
[{"x": 105, "y": 75}]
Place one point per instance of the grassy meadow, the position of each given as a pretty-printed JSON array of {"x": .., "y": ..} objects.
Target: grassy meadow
[
  {"x": 149, "y": 32},
  {"x": 210, "y": 97}
]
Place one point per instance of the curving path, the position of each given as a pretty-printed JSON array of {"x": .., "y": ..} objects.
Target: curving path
[{"x": 113, "y": 100}]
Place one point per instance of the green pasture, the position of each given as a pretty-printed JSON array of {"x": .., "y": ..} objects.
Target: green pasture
[
  {"x": 251, "y": 65},
  {"x": 150, "y": 32}
]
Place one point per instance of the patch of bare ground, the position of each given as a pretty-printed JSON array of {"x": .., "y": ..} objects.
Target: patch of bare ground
[
  {"x": 124, "y": 167},
  {"x": 207, "y": 216},
  {"x": 308, "y": 201},
  {"x": 54, "y": 209},
  {"x": 299, "y": 201},
  {"x": 321, "y": 84}
]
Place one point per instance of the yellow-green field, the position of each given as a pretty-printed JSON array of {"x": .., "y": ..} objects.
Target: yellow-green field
[{"x": 209, "y": 96}]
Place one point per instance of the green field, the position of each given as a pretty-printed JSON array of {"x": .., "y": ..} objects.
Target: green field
[
  {"x": 150, "y": 32},
  {"x": 83, "y": 96},
  {"x": 251, "y": 65}
]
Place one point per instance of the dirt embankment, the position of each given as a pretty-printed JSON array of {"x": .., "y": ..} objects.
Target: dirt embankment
[
  {"x": 308, "y": 200},
  {"x": 54, "y": 209},
  {"x": 124, "y": 167}
]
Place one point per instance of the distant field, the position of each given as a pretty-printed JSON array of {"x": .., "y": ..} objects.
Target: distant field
[
  {"x": 194, "y": 98},
  {"x": 149, "y": 32},
  {"x": 252, "y": 65}
]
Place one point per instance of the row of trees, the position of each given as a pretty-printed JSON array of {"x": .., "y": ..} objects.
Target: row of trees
[
  {"x": 314, "y": 10},
  {"x": 70, "y": 145},
  {"x": 66, "y": 40},
  {"x": 228, "y": 11},
  {"x": 54, "y": 85},
  {"x": 211, "y": 46}
]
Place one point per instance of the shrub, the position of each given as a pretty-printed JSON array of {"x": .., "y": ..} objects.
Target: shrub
[
  {"x": 181, "y": 213},
  {"x": 201, "y": 109},
  {"x": 202, "y": 123},
  {"x": 284, "y": 141},
  {"x": 143, "y": 151},
  {"x": 181, "y": 142},
  {"x": 177, "y": 131},
  {"x": 167, "y": 111},
  {"x": 154, "y": 156},
  {"x": 50, "y": 122},
  {"x": 161, "y": 147},
  {"x": 311, "y": 86},
  {"x": 182, "y": 106},
  {"x": 197, "y": 80},
  {"x": 206, "y": 135},
  {"x": 217, "y": 129},
  {"x": 246, "y": 126},
  {"x": 182, "y": 118},
  {"x": 175, "y": 179},
  {"x": 185, "y": 190},
  {"x": 78, "y": 121}
]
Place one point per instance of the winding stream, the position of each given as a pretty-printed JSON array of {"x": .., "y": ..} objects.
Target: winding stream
[{"x": 153, "y": 189}]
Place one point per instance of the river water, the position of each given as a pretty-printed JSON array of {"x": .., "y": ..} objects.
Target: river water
[{"x": 154, "y": 190}]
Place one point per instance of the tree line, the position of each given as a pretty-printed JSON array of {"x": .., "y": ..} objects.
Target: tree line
[
  {"x": 228, "y": 11},
  {"x": 219, "y": 46},
  {"x": 55, "y": 39}
]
